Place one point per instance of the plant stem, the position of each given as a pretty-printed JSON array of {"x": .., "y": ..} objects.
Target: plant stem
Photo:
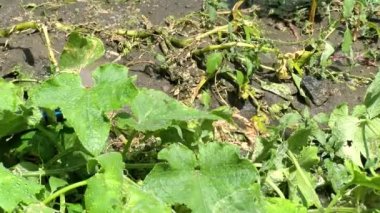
[
  {"x": 313, "y": 9},
  {"x": 64, "y": 190},
  {"x": 25, "y": 81},
  {"x": 333, "y": 202},
  {"x": 134, "y": 33},
  {"x": 5, "y": 32},
  {"x": 199, "y": 87},
  {"x": 62, "y": 203},
  {"x": 275, "y": 187},
  {"x": 232, "y": 44},
  {"x": 336, "y": 210},
  {"x": 52, "y": 172},
  {"x": 218, "y": 29}
]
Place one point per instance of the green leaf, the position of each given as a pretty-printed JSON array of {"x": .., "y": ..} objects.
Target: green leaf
[
  {"x": 80, "y": 51},
  {"x": 206, "y": 99},
  {"x": 154, "y": 110},
  {"x": 38, "y": 207},
  {"x": 354, "y": 137},
  {"x": 200, "y": 181},
  {"x": 290, "y": 120},
  {"x": 14, "y": 116},
  {"x": 16, "y": 121},
  {"x": 245, "y": 200},
  {"x": 338, "y": 112},
  {"x": 372, "y": 97},
  {"x": 85, "y": 108},
  {"x": 56, "y": 183},
  {"x": 16, "y": 190},
  {"x": 213, "y": 62},
  {"x": 308, "y": 157},
  {"x": 297, "y": 82},
  {"x": 347, "y": 42},
  {"x": 348, "y": 7},
  {"x": 10, "y": 96},
  {"x": 360, "y": 178},
  {"x": 304, "y": 183},
  {"x": 276, "y": 204},
  {"x": 240, "y": 79},
  {"x": 281, "y": 90},
  {"x": 327, "y": 52},
  {"x": 337, "y": 174},
  {"x": 299, "y": 139},
  {"x": 104, "y": 189},
  {"x": 139, "y": 200},
  {"x": 347, "y": 132}
]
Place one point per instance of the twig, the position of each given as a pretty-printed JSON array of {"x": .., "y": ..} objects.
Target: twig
[
  {"x": 232, "y": 44},
  {"x": 48, "y": 46},
  {"x": 6, "y": 32}
]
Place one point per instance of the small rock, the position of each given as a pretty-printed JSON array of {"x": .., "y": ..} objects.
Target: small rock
[{"x": 318, "y": 91}]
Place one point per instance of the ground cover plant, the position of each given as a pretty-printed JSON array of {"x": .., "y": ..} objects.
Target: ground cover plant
[{"x": 67, "y": 145}]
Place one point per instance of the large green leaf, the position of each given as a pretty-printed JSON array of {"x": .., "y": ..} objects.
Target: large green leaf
[
  {"x": 80, "y": 51},
  {"x": 104, "y": 190},
  {"x": 372, "y": 97},
  {"x": 354, "y": 137},
  {"x": 140, "y": 201},
  {"x": 15, "y": 190},
  {"x": 85, "y": 108},
  {"x": 200, "y": 180},
  {"x": 154, "y": 110}
]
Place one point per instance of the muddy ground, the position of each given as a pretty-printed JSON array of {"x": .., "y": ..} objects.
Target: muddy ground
[{"x": 26, "y": 52}]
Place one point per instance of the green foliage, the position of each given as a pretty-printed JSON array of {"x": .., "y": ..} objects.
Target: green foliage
[
  {"x": 142, "y": 201},
  {"x": 161, "y": 112},
  {"x": 200, "y": 181},
  {"x": 85, "y": 108},
  {"x": 14, "y": 115},
  {"x": 76, "y": 164},
  {"x": 107, "y": 183},
  {"x": 16, "y": 190}
]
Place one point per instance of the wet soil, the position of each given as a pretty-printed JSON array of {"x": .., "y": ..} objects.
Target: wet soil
[{"x": 26, "y": 52}]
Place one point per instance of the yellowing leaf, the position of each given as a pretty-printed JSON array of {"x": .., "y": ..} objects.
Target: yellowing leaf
[{"x": 80, "y": 51}]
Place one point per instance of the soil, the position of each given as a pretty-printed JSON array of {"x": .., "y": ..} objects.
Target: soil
[{"x": 26, "y": 52}]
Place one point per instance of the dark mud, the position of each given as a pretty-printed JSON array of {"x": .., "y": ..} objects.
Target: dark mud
[{"x": 26, "y": 52}]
